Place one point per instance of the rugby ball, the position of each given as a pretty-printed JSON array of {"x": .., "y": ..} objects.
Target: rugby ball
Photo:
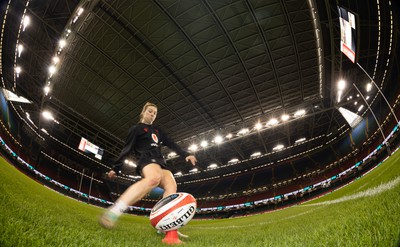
[{"x": 173, "y": 212}]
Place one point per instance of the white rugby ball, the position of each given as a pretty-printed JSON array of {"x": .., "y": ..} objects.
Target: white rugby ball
[{"x": 173, "y": 212}]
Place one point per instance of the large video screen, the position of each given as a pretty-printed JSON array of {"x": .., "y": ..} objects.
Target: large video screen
[
  {"x": 89, "y": 147},
  {"x": 348, "y": 33}
]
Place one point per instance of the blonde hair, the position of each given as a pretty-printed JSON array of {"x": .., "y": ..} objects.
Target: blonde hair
[{"x": 145, "y": 108}]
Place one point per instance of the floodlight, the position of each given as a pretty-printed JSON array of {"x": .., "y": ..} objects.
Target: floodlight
[
  {"x": 18, "y": 70},
  {"x": 300, "y": 140},
  {"x": 62, "y": 43},
  {"x": 171, "y": 155},
  {"x": 285, "y": 117},
  {"x": 233, "y": 160},
  {"x": 278, "y": 147},
  {"x": 218, "y": 139},
  {"x": 193, "y": 147},
  {"x": 369, "y": 87},
  {"x": 300, "y": 113},
  {"x": 52, "y": 69},
  {"x": 194, "y": 170},
  {"x": 243, "y": 131},
  {"x": 56, "y": 59},
  {"x": 272, "y": 122},
  {"x": 203, "y": 144},
  {"x": 80, "y": 11},
  {"x": 20, "y": 49},
  {"x": 341, "y": 85},
  {"x": 47, "y": 115},
  {"x": 46, "y": 90},
  {"x": 255, "y": 154},
  {"x": 212, "y": 166},
  {"x": 26, "y": 22}
]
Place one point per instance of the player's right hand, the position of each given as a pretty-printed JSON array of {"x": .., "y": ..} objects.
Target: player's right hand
[{"x": 111, "y": 174}]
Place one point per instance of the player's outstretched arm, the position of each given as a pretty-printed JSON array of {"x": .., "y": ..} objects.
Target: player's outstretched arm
[{"x": 192, "y": 159}]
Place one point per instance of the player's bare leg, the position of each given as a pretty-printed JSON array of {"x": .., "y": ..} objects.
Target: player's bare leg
[{"x": 152, "y": 176}]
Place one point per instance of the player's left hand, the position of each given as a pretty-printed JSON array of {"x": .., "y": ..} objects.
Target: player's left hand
[{"x": 192, "y": 159}]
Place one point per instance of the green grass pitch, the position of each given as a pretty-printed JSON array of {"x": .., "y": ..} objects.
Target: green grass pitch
[{"x": 363, "y": 213}]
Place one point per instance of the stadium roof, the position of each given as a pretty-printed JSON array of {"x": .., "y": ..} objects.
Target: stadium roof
[{"x": 212, "y": 67}]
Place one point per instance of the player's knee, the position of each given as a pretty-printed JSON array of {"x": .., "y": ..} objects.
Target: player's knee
[{"x": 154, "y": 181}]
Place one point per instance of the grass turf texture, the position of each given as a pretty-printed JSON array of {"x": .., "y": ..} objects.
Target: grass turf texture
[{"x": 32, "y": 215}]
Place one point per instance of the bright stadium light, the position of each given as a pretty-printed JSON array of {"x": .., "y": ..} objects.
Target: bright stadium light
[
  {"x": 243, "y": 131},
  {"x": 203, "y": 144},
  {"x": 193, "y": 147},
  {"x": 52, "y": 70},
  {"x": 285, "y": 117},
  {"x": 272, "y": 122},
  {"x": 62, "y": 43},
  {"x": 194, "y": 170},
  {"x": 234, "y": 160},
  {"x": 171, "y": 155},
  {"x": 20, "y": 49},
  {"x": 18, "y": 70},
  {"x": 255, "y": 154},
  {"x": 278, "y": 147},
  {"x": 47, "y": 115},
  {"x": 80, "y": 11},
  {"x": 218, "y": 139},
  {"x": 258, "y": 126},
  {"x": 68, "y": 32},
  {"x": 130, "y": 163},
  {"x": 46, "y": 90},
  {"x": 212, "y": 166},
  {"x": 56, "y": 59},
  {"x": 26, "y": 22},
  {"x": 341, "y": 85},
  {"x": 300, "y": 113},
  {"x": 300, "y": 140},
  {"x": 369, "y": 87}
]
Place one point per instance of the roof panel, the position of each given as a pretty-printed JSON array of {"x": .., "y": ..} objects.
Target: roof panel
[{"x": 209, "y": 65}]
